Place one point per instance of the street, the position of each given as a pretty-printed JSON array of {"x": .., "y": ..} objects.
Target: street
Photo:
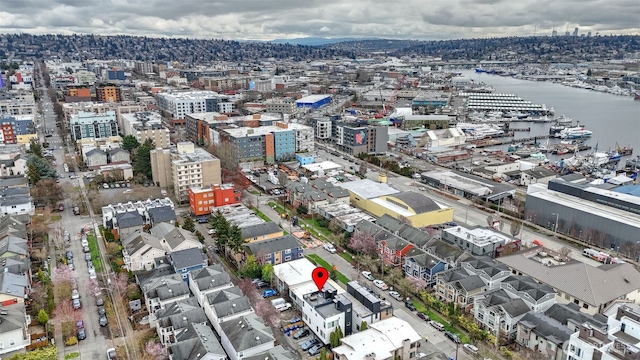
[{"x": 96, "y": 343}]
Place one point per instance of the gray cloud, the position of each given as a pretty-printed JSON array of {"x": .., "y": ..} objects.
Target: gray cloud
[{"x": 263, "y": 20}]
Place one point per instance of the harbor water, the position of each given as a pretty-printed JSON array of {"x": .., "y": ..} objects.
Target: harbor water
[{"x": 612, "y": 118}]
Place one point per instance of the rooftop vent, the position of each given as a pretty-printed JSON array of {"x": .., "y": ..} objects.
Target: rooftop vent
[{"x": 257, "y": 338}]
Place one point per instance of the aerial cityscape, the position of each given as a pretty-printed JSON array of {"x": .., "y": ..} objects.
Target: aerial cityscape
[{"x": 320, "y": 181}]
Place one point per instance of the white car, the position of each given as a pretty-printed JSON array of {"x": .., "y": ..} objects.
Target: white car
[
  {"x": 395, "y": 295},
  {"x": 283, "y": 307},
  {"x": 211, "y": 231},
  {"x": 380, "y": 284},
  {"x": 127, "y": 191},
  {"x": 470, "y": 348},
  {"x": 329, "y": 247},
  {"x": 367, "y": 275}
]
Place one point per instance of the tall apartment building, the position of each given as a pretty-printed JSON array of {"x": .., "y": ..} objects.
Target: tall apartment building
[
  {"x": 17, "y": 102},
  {"x": 108, "y": 93},
  {"x": 279, "y": 142},
  {"x": 126, "y": 107},
  {"x": 146, "y": 125},
  {"x": 177, "y": 105},
  {"x": 284, "y": 106},
  {"x": 89, "y": 125},
  {"x": 226, "y": 83},
  {"x": 183, "y": 167}
]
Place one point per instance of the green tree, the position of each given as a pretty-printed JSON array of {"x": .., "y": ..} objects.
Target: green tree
[
  {"x": 251, "y": 268},
  {"x": 42, "y": 167},
  {"x": 267, "y": 272},
  {"x": 142, "y": 159},
  {"x": 44, "y": 353},
  {"x": 33, "y": 174},
  {"x": 222, "y": 233},
  {"x": 129, "y": 142},
  {"x": 363, "y": 326},
  {"x": 335, "y": 336},
  {"x": 188, "y": 224},
  {"x": 36, "y": 149},
  {"x": 43, "y": 317},
  {"x": 323, "y": 354},
  {"x": 235, "y": 240}
]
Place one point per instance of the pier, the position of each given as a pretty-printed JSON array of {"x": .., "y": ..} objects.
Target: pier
[
  {"x": 520, "y": 129},
  {"x": 493, "y": 142}
]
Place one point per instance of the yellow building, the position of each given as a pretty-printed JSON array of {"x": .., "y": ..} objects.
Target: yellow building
[
  {"x": 26, "y": 138},
  {"x": 379, "y": 199}
]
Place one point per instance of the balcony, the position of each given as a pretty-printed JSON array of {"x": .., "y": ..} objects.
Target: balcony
[{"x": 624, "y": 351}]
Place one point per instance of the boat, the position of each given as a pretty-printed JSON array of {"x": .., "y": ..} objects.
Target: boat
[
  {"x": 624, "y": 151},
  {"x": 614, "y": 155},
  {"x": 555, "y": 129},
  {"x": 563, "y": 120},
  {"x": 577, "y": 132},
  {"x": 561, "y": 151},
  {"x": 544, "y": 147},
  {"x": 513, "y": 147},
  {"x": 540, "y": 157},
  {"x": 637, "y": 97}
]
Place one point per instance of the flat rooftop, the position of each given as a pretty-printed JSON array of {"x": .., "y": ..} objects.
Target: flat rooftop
[
  {"x": 479, "y": 235},
  {"x": 190, "y": 95},
  {"x": 254, "y": 131},
  {"x": 325, "y": 165},
  {"x": 312, "y": 98},
  {"x": 368, "y": 189}
]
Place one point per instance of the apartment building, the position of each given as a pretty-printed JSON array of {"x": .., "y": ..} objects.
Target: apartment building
[
  {"x": 481, "y": 241},
  {"x": 108, "y": 93},
  {"x": 90, "y": 125},
  {"x": 17, "y": 102},
  {"x": 203, "y": 200},
  {"x": 17, "y": 129},
  {"x": 184, "y": 167},
  {"x": 283, "y": 106},
  {"x": 126, "y": 107},
  {"x": 226, "y": 83},
  {"x": 201, "y": 126},
  {"x": 176, "y": 105},
  {"x": 279, "y": 142},
  {"x": 351, "y": 137},
  {"x": 146, "y": 125}
]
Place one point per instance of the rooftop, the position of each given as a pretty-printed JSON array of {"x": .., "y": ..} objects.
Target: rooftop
[
  {"x": 368, "y": 189},
  {"x": 480, "y": 236}
]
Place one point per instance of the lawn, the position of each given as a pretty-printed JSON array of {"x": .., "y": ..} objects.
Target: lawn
[
  {"x": 261, "y": 215},
  {"x": 347, "y": 256},
  {"x": 319, "y": 261},
  {"x": 95, "y": 253}
]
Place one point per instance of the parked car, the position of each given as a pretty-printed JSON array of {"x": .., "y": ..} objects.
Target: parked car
[
  {"x": 283, "y": 307},
  {"x": 211, "y": 231},
  {"x": 470, "y": 349},
  {"x": 329, "y": 247},
  {"x": 367, "y": 275},
  {"x": 395, "y": 295},
  {"x": 75, "y": 294},
  {"x": 99, "y": 302},
  {"x": 269, "y": 293},
  {"x": 103, "y": 320},
  {"x": 111, "y": 353},
  {"x": 69, "y": 255},
  {"x": 315, "y": 350},
  {"x": 436, "y": 325},
  {"x": 82, "y": 334},
  {"x": 452, "y": 336},
  {"x": 77, "y": 304},
  {"x": 308, "y": 344},
  {"x": 409, "y": 305},
  {"x": 380, "y": 284},
  {"x": 87, "y": 256},
  {"x": 260, "y": 284},
  {"x": 86, "y": 249},
  {"x": 105, "y": 185},
  {"x": 424, "y": 316},
  {"x": 101, "y": 311},
  {"x": 301, "y": 333}
]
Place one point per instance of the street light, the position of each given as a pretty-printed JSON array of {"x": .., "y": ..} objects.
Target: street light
[{"x": 555, "y": 228}]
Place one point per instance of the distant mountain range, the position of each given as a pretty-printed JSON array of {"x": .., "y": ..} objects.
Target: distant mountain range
[{"x": 316, "y": 41}]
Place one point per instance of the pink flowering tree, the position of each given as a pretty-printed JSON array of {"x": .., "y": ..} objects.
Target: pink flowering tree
[
  {"x": 364, "y": 243},
  {"x": 93, "y": 288},
  {"x": 154, "y": 351},
  {"x": 62, "y": 279},
  {"x": 267, "y": 312}
]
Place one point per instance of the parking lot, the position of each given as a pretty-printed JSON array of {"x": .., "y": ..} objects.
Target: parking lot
[{"x": 291, "y": 324}]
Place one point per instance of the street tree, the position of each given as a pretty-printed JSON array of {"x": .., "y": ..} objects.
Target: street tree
[
  {"x": 267, "y": 272},
  {"x": 33, "y": 174},
  {"x": 364, "y": 243},
  {"x": 236, "y": 240},
  {"x": 267, "y": 312},
  {"x": 188, "y": 224},
  {"x": 515, "y": 228},
  {"x": 129, "y": 142},
  {"x": 48, "y": 192},
  {"x": 93, "y": 288},
  {"x": 43, "y": 317},
  {"x": 248, "y": 289},
  {"x": 154, "y": 351},
  {"x": 251, "y": 268}
]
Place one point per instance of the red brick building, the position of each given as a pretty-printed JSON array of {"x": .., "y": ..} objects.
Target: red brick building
[{"x": 202, "y": 201}]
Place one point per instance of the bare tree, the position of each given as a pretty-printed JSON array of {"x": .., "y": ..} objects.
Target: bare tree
[
  {"x": 515, "y": 228},
  {"x": 364, "y": 243},
  {"x": 490, "y": 220},
  {"x": 565, "y": 251}
]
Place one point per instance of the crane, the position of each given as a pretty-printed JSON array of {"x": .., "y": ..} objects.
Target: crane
[{"x": 385, "y": 108}]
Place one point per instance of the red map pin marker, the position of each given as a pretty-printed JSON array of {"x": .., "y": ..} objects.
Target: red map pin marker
[{"x": 320, "y": 276}]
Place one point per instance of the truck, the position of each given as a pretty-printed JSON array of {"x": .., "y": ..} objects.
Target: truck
[{"x": 277, "y": 302}]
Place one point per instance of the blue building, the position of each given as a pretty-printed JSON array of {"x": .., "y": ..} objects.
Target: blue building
[
  {"x": 313, "y": 101},
  {"x": 275, "y": 251},
  {"x": 421, "y": 265},
  {"x": 185, "y": 261},
  {"x": 305, "y": 159},
  {"x": 116, "y": 75},
  {"x": 284, "y": 145},
  {"x": 91, "y": 125},
  {"x": 20, "y": 126}
]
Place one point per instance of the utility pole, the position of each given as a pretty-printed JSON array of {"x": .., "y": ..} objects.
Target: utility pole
[{"x": 555, "y": 228}]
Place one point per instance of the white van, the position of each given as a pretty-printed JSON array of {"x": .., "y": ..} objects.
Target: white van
[
  {"x": 283, "y": 307},
  {"x": 277, "y": 302}
]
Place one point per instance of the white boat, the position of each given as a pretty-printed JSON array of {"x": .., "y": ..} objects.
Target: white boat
[
  {"x": 563, "y": 120},
  {"x": 577, "y": 132},
  {"x": 540, "y": 157},
  {"x": 598, "y": 158}
]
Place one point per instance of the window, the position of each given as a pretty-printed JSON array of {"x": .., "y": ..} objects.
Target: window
[
  {"x": 12, "y": 342},
  {"x": 287, "y": 258},
  {"x": 567, "y": 297},
  {"x": 288, "y": 251},
  {"x": 576, "y": 301},
  {"x": 413, "y": 345}
]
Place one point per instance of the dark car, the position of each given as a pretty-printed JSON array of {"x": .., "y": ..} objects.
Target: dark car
[
  {"x": 103, "y": 320},
  {"x": 453, "y": 337},
  {"x": 101, "y": 311},
  {"x": 423, "y": 316},
  {"x": 301, "y": 333},
  {"x": 409, "y": 305},
  {"x": 82, "y": 334}
]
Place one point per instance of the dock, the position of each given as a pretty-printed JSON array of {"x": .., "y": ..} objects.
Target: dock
[
  {"x": 520, "y": 129},
  {"x": 493, "y": 142}
]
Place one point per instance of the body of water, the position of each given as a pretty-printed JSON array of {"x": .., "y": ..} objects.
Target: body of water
[{"x": 612, "y": 118}]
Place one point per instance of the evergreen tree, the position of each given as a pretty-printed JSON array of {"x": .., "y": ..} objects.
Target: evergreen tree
[
  {"x": 188, "y": 224},
  {"x": 142, "y": 159},
  {"x": 129, "y": 142},
  {"x": 33, "y": 174}
]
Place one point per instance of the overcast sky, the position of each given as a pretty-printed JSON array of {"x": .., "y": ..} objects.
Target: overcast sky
[{"x": 271, "y": 19}]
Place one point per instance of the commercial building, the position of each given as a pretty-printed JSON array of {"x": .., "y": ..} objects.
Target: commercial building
[
  {"x": 17, "y": 102},
  {"x": 279, "y": 142},
  {"x": 590, "y": 213},
  {"x": 108, "y": 93},
  {"x": 201, "y": 127},
  {"x": 355, "y": 139},
  {"x": 89, "y": 125},
  {"x": 283, "y": 106},
  {"x": 183, "y": 167},
  {"x": 146, "y": 125},
  {"x": 468, "y": 186},
  {"x": 76, "y": 93},
  {"x": 177, "y": 105},
  {"x": 481, "y": 241},
  {"x": 313, "y": 101},
  {"x": 379, "y": 199},
  {"x": 203, "y": 201},
  {"x": 433, "y": 99}
]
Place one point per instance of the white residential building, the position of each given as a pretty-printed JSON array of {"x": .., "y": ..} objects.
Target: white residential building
[
  {"x": 146, "y": 125},
  {"x": 17, "y": 102},
  {"x": 179, "y": 104}
]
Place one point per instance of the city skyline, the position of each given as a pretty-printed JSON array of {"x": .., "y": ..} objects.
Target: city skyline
[{"x": 260, "y": 20}]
